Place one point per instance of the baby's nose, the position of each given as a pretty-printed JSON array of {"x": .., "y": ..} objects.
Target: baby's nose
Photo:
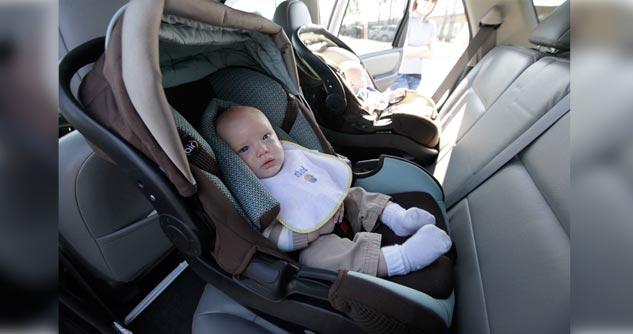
[{"x": 262, "y": 149}]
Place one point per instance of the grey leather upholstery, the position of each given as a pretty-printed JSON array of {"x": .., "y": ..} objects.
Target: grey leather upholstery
[
  {"x": 480, "y": 89},
  {"x": 104, "y": 219},
  {"x": 554, "y": 31},
  {"x": 291, "y": 15},
  {"x": 511, "y": 232},
  {"x": 217, "y": 313},
  {"x": 81, "y": 21},
  {"x": 536, "y": 90}
]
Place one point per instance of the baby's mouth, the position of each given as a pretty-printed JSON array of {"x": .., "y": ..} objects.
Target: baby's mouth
[{"x": 268, "y": 163}]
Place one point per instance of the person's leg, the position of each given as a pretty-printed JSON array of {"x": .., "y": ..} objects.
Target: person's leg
[
  {"x": 334, "y": 253},
  {"x": 399, "y": 82},
  {"x": 365, "y": 255},
  {"x": 413, "y": 81},
  {"x": 363, "y": 209}
]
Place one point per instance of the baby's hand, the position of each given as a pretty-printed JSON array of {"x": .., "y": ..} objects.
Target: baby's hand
[
  {"x": 329, "y": 226},
  {"x": 338, "y": 216}
]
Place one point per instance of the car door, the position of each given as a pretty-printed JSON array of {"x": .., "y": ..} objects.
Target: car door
[
  {"x": 372, "y": 28},
  {"x": 376, "y": 31}
]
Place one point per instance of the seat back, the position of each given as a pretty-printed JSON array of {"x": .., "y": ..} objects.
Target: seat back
[
  {"x": 104, "y": 220},
  {"x": 481, "y": 136},
  {"x": 291, "y": 15},
  {"x": 81, "y": 21},
  {"x": 512, "y": 231}
]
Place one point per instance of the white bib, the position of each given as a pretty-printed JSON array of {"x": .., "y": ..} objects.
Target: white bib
[{"x": 310, "y": 187}]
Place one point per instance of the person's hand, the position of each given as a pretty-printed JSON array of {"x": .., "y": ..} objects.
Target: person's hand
[
  {"x": 329, "y": 226},
  {"x": 338, "y": 216}
]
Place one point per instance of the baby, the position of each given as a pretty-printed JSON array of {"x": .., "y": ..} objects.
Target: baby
[
  {"x": 360, "y": 83},
  {"x": 314, "y": 193}
]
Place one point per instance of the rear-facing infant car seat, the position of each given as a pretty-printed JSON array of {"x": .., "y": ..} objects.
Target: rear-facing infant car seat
[
  {"x": 406, "y": 122},
  {"x": 141, "y": 106}
]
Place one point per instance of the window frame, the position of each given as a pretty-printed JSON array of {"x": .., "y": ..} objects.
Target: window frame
[{"x": 399, "y": 29}]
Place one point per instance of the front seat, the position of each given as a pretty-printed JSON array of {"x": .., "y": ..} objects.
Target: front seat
[{"x": 104, "y": 220}]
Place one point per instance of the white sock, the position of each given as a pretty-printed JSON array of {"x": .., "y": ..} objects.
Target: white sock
[
  {"x": 405, "y": 222},
  {"x": 420, "y": 250}
]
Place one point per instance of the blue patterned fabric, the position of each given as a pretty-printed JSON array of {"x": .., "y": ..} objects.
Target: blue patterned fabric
[{"x": 238, "y": 177}]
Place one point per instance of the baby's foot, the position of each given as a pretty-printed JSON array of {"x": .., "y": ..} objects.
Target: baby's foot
[
  {"x": 405, "y": 222},
  {"x": 420, "y": 250}
]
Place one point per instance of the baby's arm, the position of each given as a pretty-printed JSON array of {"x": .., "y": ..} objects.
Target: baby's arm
[{"x": 286, "y": 239}]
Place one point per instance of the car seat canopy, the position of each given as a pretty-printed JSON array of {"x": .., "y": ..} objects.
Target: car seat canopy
[{"x": 157, "y": 44}]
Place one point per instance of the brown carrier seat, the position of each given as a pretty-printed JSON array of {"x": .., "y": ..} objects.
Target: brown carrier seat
[{"x": 140, "y": 107}]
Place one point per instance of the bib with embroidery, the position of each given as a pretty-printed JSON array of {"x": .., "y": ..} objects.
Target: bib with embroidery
[{"x": 310, "y": 187}]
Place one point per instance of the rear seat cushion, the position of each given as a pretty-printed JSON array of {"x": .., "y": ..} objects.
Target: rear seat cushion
[{"x": 512, "y": 273}]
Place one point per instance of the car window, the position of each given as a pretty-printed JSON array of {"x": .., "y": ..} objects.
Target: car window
[
  {"x": 265, "y": 8},
  {"x": 370, "y": 25},
  {"x": 545, "y": 7},
  {"x": 451, "y": 39},
  {"x": 325, "y": 11}
]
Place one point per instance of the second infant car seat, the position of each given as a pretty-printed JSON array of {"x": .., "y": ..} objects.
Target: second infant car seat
[
  {"x": 141, "y": 107},
  {"x": 399, "y": 124}
]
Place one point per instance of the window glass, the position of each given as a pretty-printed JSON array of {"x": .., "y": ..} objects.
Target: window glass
[
  {"x": 265, "y": 8},
  {"x": 370, "y": 25},
  {"x": 325, "y": 11},
  {"x": 452, "y": 37},
  {"x": 545, "y": 7}
]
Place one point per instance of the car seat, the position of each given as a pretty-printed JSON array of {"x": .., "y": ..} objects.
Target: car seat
[
  {"x": 141, "y": 107},
  {"x": 405, "y": 119},
  {"x": 405, "y": 113}
]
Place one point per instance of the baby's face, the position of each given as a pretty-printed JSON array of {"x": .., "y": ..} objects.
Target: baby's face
[
  {"x": 355, "y": 77},
  {"x": 249, "y": 134}
]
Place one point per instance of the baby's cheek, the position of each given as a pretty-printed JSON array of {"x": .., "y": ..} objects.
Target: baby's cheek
[{"x": 251, "y": 164}]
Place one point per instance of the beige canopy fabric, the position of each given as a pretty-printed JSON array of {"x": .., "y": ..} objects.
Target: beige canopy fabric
[{"x": 141, "y": 68}]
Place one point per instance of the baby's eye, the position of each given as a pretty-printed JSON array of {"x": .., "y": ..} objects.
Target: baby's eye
[
  {"x": 242, "y": 150},
  {"x": 267, "y": 136}
]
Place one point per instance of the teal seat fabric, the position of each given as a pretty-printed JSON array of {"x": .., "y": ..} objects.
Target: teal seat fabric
[
  {"x": 250, "y": 87},
  {"x": 206, "y": 159}
]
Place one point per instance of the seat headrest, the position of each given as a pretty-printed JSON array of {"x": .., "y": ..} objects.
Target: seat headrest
[
  {"x": 554, "y": 30},
  {"x": 291, "y": 15}
]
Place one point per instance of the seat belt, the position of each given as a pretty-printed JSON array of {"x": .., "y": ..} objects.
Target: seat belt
[
  {"x": 487, "y": 27},
  {"x": 534, "y": 131}
]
